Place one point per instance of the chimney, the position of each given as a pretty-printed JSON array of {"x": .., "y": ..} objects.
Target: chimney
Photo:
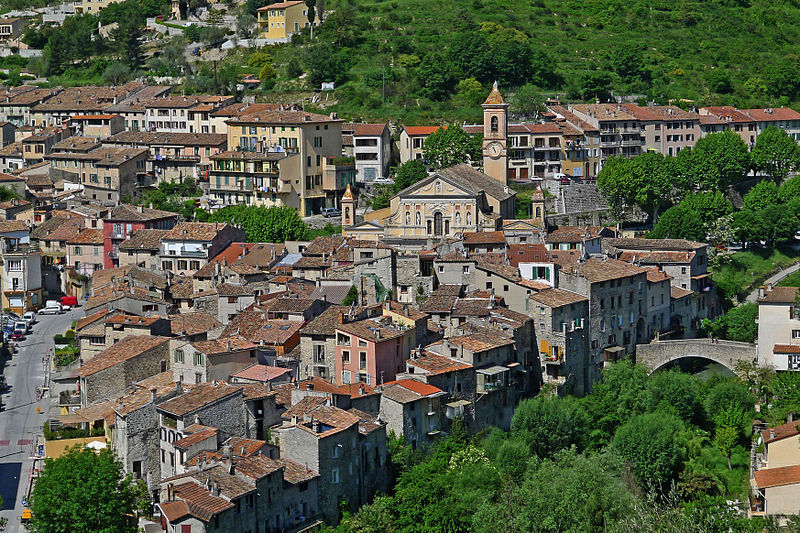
[
  {"x": 178, "y": 386},
  {"x": 215, "y": 489},
  {"x": 231, "y": 469},
  {"x": 170, "y": 492},
  {"x": 790, "y": 417},
  {"x": 314, "y": 425},
  {"x": 769, "y": 286},
  {"x": 761, "y": 292},
  {"x": 201, "y": 464},
  {"x": 153, "y": 395},
  {"x": 377, "y": 334},
  {"x": 294, "y": 420},
  {"x": 229, "y": 345},
  {"x": 771, "y": 434},
  {"x": 197, "y": 420},
  {"x": 341, "y": 317}
]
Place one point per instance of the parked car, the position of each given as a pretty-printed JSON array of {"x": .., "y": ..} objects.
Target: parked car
[
  {"x": 18, "y": 336},
  {"x": 383, "y": 180},
  {"x": 29, "y": 317},
  {"x": 52, "y": 307},
  {"x": 68, "y": 302},
  {"x": 330, "y": 212},
  {"x": 20, "y": 326}
]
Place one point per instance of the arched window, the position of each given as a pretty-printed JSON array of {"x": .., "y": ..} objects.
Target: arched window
[
  {"x": 419, "y": 219},
  {"x": 538, "y": 212},
  {"x": 469, "y": 218},
  {"x": 347, "y": 214},
  {"x": 437, "y": 224},
  {"x": 458, "y": 219},
  {"x": 493, "y": 125},
  {"x": 408, "y": 218}
]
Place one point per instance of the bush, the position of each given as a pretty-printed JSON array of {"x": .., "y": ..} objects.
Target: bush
[{"x": 70, "y": 334}]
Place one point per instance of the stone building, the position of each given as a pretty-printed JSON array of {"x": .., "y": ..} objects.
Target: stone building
[
  {"x": 115, "y": 369},
  {"x": 412, "y": 409}
]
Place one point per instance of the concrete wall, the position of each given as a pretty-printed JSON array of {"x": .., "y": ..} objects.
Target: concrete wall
[
  {"x": 784, "y": 452},
  {"x": 783, "y": 500}
]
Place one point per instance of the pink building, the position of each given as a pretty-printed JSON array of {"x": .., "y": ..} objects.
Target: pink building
[
  {"x": 371, "y": 351},
  {"x": 732, "y": 119},
  {"x": 124, "y": 221}
]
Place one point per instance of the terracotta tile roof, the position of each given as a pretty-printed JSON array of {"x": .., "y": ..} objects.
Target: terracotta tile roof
[
  {"x": 181, "y": 287},
  {"x": 476, "y": 181},
  {"x": 256, "y": 391},
  {"x": 655, "y": 258},
  {"x": 405, "y": 310},
  {"x": 779, "y": 295},
  {"x": 789, "y": 429},
  {"x": 287, "y": 305},
  {"x": 435, "y": 364},
  {"x": 7, "y": 226},
  {"x": 244, "y": 447},
  {"x": 484, "y": 237},
  {"x": 676, "y": 293},
  {"x": 58, "y": 229},
  {"x": 776, "y": 477},
  {"x": 557, "y": 297},
  {"x": 422, "y": 130},
  {"x": 200, "y": 501},
  {"x": 91, "y": 319},
  {"x": 88, "y": 236},
  {"x": 526, "y": 253},
  {"x": 786, "y": 348},
  {"x": 233, "y": 343},
  {"x": 573, "y": 234},
  {"x": 296, "y": 473},
  {"x": 144, "y": 239},
  {"x": 164, "y": 380},
  {"x": 480, "y": 342},
  {"x": 149, "y": 138},
  {"x": 354, "y": 390},
  {"x": 727, "y": 113},
  {"x": 282, "y": 117},
  {"x": 331, "y": 420},
  {"x": 174, "y": 510},
  {"x": 255, "y": 327},
  {"x": 399, "y": 390},
  {"x": 324, "y": 245},
  {"x": 372, "y": 330},
  {"x": 195, "y": 438},
  {"x": 654, "y": 275},
  {"x": 372, "y": 130},
  {"x": 471, "y": 306},
  {"x": 199, "y": 396},
  {"x": 131, "y": 319},
  {"x": 132, "y": 213},
  {"x": 598, "y": 271},
  {"x": 258, "y": 372},
  {"x": 304, "y": 406},
  {"x": 124, "y": 350},
  {"x": 194, "y": 231},
  {"x": 772, "y": 114},
  {"x": 192, "y": 323}
]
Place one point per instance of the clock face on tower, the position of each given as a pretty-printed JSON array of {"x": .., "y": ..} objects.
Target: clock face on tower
[{"x": 495, "y": 150}]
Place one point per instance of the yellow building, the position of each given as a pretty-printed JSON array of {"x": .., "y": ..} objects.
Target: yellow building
[
  {"x": 92, "y": 7},
  {"x": 312, "y": 137},
  {"x": 279, "y": 21}
]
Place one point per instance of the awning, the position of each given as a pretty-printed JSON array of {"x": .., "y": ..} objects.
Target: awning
[{"x": 492, "y": 370}]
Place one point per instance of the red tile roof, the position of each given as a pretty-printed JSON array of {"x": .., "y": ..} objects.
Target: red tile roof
[
  {"x": 195, "y": 438},
  {"x": 122, "y": 351},
  {"x": 786, "y": 348},
  {"x": 728, "y": 114},
  {"x": 372, "y": 130},
  {"x": 422, "y": 130},
  {"x": 261, "y": 372},
  {"x": 280, "y": 5},
  {"x": 789, "y": 429},
  {"x": 200, "y": 501},
  {"x": 423, "y": 389},
  {"x": 199, "y": 396},
  {"x": 233, "y": 343},
  {"x": 775, "y": 477},
  {"x": 526, "y": 253},
  {"x": 194, "y": 231},
  {"x": 783, "y": 295},
  {"x": 484, "y": 237},
  {"x": 772, "y": 114},
  {"x": 557, "y": 297},
  {"x": 437, "y": 364}
]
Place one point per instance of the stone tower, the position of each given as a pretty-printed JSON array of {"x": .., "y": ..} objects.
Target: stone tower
[
  {"x": 348, "y": 209},
  {"x": 495, "y": 136}
]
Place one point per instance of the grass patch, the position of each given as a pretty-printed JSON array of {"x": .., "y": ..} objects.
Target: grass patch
[
  {"x": 792, "y": 280},
  {"x": 328, "y": 230},
  {"x": 739, "y": 273}
]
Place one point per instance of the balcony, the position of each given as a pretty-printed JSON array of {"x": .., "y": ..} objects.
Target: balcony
[
  {"x": 192, "y": 253},
  {"x": 631, "y": 141}
]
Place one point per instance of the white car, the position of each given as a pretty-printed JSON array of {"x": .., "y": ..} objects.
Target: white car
[
  {"x": 52, "y": 307},
  {"x": 29, "y": 317}
]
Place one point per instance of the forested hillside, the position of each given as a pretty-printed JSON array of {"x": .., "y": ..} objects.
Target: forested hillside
[{"x": 422, "y": 59}]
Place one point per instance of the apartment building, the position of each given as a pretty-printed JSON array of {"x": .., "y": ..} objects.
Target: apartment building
[
  {"x": 35, "y": 147},
  {"x": 561, "y": 321},
  {"x": 784, "y": 118},
  {"x": 125, "y": 220},
  {"x": 413, "y": 410},
  {"x": 107, "y": 174},
  {"x": 98, "y": 125},
  {"x": 583, "y": 148},
  {"x": 372, "y": 350},
  {"x": 412, "y": 141},
  {"x": 534, "y": 151},
  {"x": 729, "y": 118},
  {"x": 60, "y": 107},
  {"x": 189, "y": 245},
  {"x": 173, "y": 156},
  {"x": 11, "y": 30},
  {"x": 15, "y": 107},
  {"x": 255, "y": 178},
  {"x": 182, "y": 114},
  {"x": 22, "y": 263},
  {"x": 666, "y": 129},
  {"x": 617, "y": 293},
  {"x": 778, "y": 328},
  {"x": 313, "y": 137},
  {"x": 133, "y": 109},
  {"x": 85, "y": 252},
  {"x": 279, "y": 21},
  {"x": 371, "y": 147},
  {"x": 620, "y": 131}
]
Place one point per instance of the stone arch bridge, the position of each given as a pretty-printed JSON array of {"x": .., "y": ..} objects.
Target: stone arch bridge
[{"x": 727, "y": 353}]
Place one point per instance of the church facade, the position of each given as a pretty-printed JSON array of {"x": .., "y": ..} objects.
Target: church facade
[{"x": 451, "y": 200}]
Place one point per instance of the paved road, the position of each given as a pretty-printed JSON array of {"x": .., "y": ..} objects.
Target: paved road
[
  {"x": 777, "y": 278},
  {"x": 20, "y": 424}
]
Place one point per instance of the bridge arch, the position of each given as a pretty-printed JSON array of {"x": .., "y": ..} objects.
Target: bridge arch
[{"x": 657, "y": 354}]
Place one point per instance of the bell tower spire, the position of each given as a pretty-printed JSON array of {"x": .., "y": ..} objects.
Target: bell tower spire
[{"x": 495, "y": 136}]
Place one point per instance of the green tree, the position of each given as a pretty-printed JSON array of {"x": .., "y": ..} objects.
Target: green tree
[
  {"x": 264, "y": 224},
  {"x": 116, "y": 73},
  {"x": 763, "y": 195},
  {"x": 679, "y": 222},
  {"x": 548, "y": 425},
  {"x": 125, "y": 38},
  {"x": 528, "y": 101},
  {"x": 408, "y": 174},
  {"x": 618, "y": 397},
  {"x": 717, "y": 161},
  {"x": 450, "y": 146},
  {"x": 650, "y": 443},
  {"x": 628, "y": 62},
  {"x": 738, "y": 324},
  {"x": 646, "y": 180},
  {"x": 675, "y": 393},
  {"x": 351, "y": 297},
  {"x": 730, "y": 423},
  {"x": 725, "y": 394},
  {"x": 469, "y": 93},
  {"x": 7, "y": 194},
  {"x": 85, "y": 491},
  {"x": 311, "y": 12},
  {"x": 595, "y": 84},
  {"x": 776, "y": 154}
]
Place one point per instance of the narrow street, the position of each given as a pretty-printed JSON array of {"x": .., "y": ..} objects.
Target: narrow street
[{"x": 20, "y": 424}]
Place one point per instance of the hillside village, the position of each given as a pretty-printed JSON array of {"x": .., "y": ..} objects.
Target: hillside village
[{"x": 246, "y": 384}]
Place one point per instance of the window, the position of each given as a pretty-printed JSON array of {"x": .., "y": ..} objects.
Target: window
[
  {"x": 796, "y": 333},
  {"x": 494, "y": 125},
  {"x": 335, "y": 474},
  {"x": 794, "y": 362},
  {"x": 363, "y": 343},
  {"x": 345, "y": 356},
  {"x": 198, "y": 359},
  {"x": 179, "y": 356}
]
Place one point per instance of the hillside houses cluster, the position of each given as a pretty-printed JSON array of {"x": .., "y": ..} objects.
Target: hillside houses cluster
[{"x": 241, "y": 381}]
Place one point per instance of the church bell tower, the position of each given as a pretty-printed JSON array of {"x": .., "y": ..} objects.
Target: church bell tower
[
  {"x": 348, "y": 210},
  {"x": 495, "y": 136}
]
